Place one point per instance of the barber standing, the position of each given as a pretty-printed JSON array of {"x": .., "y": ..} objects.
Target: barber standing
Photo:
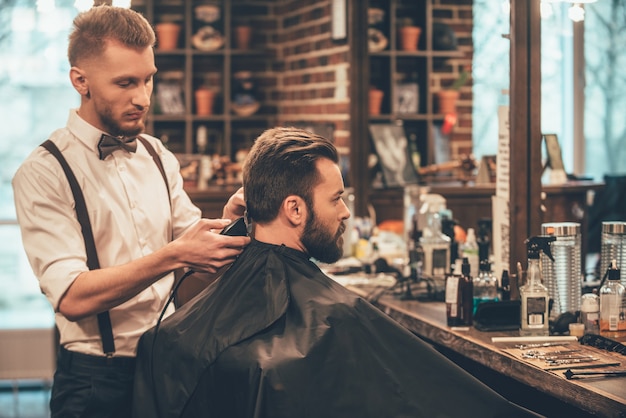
[{"x": 144, "y": 225}]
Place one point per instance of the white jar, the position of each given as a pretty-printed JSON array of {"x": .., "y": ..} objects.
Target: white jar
[{"x": 590, "y": 313}]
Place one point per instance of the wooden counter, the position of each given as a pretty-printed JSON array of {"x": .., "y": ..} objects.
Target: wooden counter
[
  {"x": 602, "y": 397},
  {"x": 562, "y": 203}
]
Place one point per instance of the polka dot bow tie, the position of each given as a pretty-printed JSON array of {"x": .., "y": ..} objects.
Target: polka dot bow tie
[{"x": 109, "y": 143}]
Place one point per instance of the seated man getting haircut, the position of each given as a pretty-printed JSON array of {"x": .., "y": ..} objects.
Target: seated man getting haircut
[{"x": 276, "y": 337}]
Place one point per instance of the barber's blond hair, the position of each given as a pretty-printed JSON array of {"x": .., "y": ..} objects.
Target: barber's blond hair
[{"x": 94, "y": 27}]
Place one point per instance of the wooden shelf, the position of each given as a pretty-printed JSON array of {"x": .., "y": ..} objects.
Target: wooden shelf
[
  {"x": 393, "y": 66},
  {"x": 228, "y": 131}
]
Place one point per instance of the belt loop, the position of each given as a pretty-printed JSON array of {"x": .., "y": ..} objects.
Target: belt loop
[{"x": 109, "y": 358}]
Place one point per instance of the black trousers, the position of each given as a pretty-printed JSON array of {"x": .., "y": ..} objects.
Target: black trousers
[{"x": 91, "y": 386}]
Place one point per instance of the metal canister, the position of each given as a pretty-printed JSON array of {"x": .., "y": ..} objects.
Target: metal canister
[
  {"x": 563, "y": 277},
  {"x": 613, "y": 247}
]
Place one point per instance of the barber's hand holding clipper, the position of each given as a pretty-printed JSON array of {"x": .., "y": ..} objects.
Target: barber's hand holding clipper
[
  {"x": 207, "y": 251},
  {"x": 221, "y": 251}
]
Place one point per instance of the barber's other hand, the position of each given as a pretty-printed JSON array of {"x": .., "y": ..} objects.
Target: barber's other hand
[
  {"x": 236, "y": 206},
  {"x": 203, "y": 249}
]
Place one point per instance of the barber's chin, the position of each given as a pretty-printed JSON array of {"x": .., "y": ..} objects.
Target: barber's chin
[{"x": 131, "y": 132}]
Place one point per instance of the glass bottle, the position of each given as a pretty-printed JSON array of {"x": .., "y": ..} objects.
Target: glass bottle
[
  {"x": 485, "y": 286},
  {"x": 534, "y": 295},
  {"x": 467, "y": 293},
  {"x": 436, "y": 246},
  {"x": 469, "y": 249},
  {"x": 447, "y": 227},
  {"x": 459, "y": 297},
  {"x": 453, "y": 300},
  {"x": 612, "y": 309},
  {"x": 416, "y": 253}
]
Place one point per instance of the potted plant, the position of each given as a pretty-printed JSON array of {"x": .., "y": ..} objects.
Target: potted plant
[
  {"x": 449, "y": 96},
  {"x": 408, "y": 34}
]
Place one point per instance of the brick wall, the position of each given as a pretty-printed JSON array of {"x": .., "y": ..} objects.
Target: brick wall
[
  {"x": 313, "y": 84},
  {"x": 308, "y": 83}
]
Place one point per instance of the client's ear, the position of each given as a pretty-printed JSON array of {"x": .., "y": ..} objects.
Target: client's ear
[{"x": 295, "y": 210}]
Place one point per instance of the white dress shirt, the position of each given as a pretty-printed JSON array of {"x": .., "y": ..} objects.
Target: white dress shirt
[{"x": 130, "y": 216}]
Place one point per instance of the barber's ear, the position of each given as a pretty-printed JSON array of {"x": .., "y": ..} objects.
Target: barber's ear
[
  {"x": 294, "y": 208},
  {"x": 79, "y": 81}
]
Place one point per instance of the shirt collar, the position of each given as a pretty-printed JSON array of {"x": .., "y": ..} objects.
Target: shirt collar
[{"x": 86, "y": 133}]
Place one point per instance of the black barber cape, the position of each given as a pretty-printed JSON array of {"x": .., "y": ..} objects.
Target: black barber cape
[{"x": 275, "y": 337}]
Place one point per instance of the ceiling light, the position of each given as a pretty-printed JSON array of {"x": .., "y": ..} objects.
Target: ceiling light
[{"x": 576, "y": 13}]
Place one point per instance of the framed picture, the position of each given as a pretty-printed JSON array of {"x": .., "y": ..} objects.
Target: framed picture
[
  {"x": 392, "y": 148},
  {"x": 169, "y": 98},
  {"x": 553, "y": 149},
  {"x": 486, "y": 170},
  {"x": 406, "y": 98}
]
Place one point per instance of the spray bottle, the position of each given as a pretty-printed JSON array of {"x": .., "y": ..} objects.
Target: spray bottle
[
  {"x": 612, "y": 309},
  {"x": 534, "y": 295}
]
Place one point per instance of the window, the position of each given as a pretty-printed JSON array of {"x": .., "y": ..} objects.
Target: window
[
  {"x": 602, "y": 147},
  {"x": 605, "y": 90},
  {"x": 490, "y": 72},
  {"x": 35, "y": 96}
]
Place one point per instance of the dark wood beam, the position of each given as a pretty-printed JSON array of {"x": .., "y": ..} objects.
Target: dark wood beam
[
  {"x": 525, "y": 127},
  {"x": 359, "y": 86}
]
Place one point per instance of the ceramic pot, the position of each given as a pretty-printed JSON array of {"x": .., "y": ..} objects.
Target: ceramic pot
[
  {"x": 447, "y": 101},
  {"x": 243, "y": 35},
  {"x": 409, "y": 37},
  {"x": 375, "y": 101},
  {"x": 204, "y": 101},
  {"x": 167, "y": 35}
]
